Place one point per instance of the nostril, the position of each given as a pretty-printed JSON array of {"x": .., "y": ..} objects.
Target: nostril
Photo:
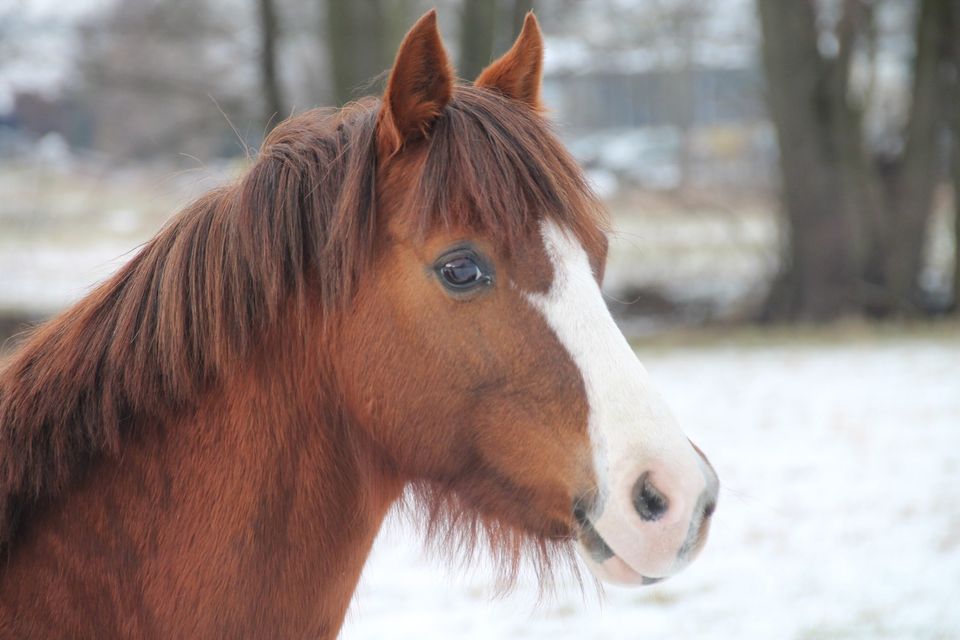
[
  {"x": 709, "y": 508},
  {"x": 649, "y": 502}
]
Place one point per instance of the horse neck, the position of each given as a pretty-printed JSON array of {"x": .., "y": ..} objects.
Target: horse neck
[
  {"x": 310, "y": 496},
  {"x": 253, "y": 515}
]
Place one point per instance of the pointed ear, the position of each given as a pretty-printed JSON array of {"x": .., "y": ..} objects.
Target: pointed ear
[
  {"x": 419, "y": 87},
  {"x": 517, "y": 74}
]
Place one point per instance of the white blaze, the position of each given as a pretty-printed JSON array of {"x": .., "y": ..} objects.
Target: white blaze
[{"x": 631, "y": 429}]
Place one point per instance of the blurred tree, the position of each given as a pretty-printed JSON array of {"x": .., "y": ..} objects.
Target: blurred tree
[
  {"x": 361, "y": 36},
  {"x": 355, "y": 37},
  {"x": 486, "y": 25},
  {"x": 955, "y": 176},
  {"x": 520, "y": 10},
  {"x": 275, "y": 108},
  {"x": 952, "y": 101},
  {"x": 856, "y": 217},
  {"x": 169, "y": 76},
  {"x": 477, "y": 30}
]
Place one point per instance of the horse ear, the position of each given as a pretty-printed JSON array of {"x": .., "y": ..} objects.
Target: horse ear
[
  {"x": 419, "y": 87},
  {"x": 517, "y": 74}
]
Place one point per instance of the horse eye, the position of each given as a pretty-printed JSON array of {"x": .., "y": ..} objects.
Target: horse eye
[{"x": 461, "y": 272}]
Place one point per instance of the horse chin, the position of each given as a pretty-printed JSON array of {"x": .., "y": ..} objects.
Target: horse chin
[
  {"x": 612, "y": 569},
  {"x": 615, "y": 570},
  {"x": 604, "y": 563}
]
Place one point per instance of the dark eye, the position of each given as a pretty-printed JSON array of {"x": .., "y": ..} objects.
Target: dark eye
[{"x": 462, "y": 272}]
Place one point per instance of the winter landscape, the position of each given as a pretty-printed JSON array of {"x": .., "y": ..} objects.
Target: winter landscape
[{"x": 783, "y": 181}]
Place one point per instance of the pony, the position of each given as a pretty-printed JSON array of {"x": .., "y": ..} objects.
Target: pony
[{"x": 398, "y": 298}]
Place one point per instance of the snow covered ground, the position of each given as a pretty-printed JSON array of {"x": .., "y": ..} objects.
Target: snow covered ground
[{"x": 839, "y": 517}]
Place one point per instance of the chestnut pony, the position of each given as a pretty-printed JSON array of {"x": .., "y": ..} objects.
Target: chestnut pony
[{"x": 404, "y": 293}]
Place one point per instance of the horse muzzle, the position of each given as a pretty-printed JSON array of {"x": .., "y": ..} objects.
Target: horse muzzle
[{"x": 649, "y": 530}]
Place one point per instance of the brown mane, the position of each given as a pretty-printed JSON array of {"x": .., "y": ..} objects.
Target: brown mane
[{"x": 298, "y": 229}]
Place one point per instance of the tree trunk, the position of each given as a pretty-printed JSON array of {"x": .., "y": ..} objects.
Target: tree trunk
[
  {"x": 398, "y": 17},
  {"x": 520, "y": 10},
  {"x": 856, "y": 224},
  {"x": 275, "y": 108},
  {"x": 819, "y": 278},
  {"x": 952, "y": 108},
  {"x": 955, "y": 179},
  {"x": 477, "y": 31},
  {"x": 356, "y": 35},
  {"x": 910, "y": 193}
]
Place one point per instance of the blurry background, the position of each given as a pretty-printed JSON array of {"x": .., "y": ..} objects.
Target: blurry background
[{"x": 782, "y": 176}]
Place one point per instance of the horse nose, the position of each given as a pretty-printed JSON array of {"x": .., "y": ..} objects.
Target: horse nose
[
  {"x": 708, "y": 504},
  {"x": 649, "y": 501},
  {"x": 654, "y": 497},
  {"x": 708, "y": 501}
]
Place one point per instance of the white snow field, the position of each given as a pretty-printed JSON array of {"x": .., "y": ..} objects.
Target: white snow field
[{"x": 839, "y": 517}]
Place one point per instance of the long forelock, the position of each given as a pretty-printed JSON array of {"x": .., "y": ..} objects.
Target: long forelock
[{"x": 495, "y": 166}]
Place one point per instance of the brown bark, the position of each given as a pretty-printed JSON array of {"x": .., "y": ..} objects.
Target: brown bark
[
  {"x": 952, "y": 109},
  {"x": 955, "y": 179},
  {"x": 356, "y": 34},
  {"x": 398, "y": 17},
  {"x": 477, "y": 31},
  {"x": 819, "y": 279},
  {"x": 275, "y": 109},
  {"x": 520, "y": 10},
  {"x": 486, "y": 27},
  {"x": 856, "y": 224},
  {"x": 910, "y": 193}
]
